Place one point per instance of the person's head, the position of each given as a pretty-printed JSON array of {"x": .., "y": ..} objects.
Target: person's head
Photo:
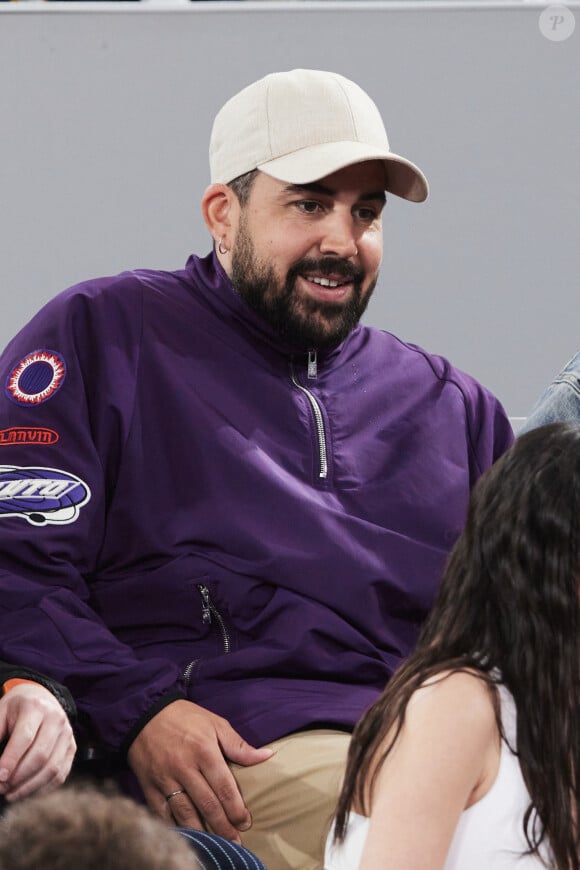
[
  {"x": 300, "y": 163},
  {"x": 509, "y": 609},
  {"x": 76, "y": 827}
]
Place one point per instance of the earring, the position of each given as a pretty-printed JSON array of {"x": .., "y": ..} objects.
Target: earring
[{"x": 221, "y": 248}]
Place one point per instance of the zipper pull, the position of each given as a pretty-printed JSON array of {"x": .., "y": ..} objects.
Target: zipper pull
[
  {"x": 205, "y": 606},
  {"x": 312, "y": 365}
]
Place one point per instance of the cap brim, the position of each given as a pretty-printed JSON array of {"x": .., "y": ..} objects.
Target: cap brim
[{"x": 310, "y": 164}]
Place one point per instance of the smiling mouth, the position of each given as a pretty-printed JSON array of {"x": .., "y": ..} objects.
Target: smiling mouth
[
  {"x": 325, "y": 280},
  {"x": 328, "y": 282},
  {"x": 335, "y": 289}
]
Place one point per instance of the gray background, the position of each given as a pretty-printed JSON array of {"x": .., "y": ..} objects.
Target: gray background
[{"x": 105, "y": 117}]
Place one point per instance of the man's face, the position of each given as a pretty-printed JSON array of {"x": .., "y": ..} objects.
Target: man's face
[{"x": 306, "y": 257}]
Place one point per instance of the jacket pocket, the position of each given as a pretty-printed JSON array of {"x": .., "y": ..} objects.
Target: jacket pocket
[{"x": 213, "y": 620}]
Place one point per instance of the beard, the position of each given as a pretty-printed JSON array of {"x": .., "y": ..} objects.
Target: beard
[{"x": 301, "y": 320}]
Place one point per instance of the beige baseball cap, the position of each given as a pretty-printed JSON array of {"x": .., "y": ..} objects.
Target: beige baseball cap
[{"x": 302, "y": 125}]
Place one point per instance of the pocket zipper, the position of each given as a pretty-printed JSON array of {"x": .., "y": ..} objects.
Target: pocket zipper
[{"x": 208, "y": 611}]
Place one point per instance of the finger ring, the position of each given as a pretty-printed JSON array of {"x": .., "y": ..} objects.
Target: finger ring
[{"x": 173, "y": 793}]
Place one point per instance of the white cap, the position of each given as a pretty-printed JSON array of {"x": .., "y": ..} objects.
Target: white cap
[{"x": 302, "y": 125}]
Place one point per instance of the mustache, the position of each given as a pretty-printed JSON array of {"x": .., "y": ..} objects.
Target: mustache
[{"x": 327, "y": 266}]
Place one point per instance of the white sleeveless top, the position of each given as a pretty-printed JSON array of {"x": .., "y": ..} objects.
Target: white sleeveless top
[{"x": 489, "y": 834}]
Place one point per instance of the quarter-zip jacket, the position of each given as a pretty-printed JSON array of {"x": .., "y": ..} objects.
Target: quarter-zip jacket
[{"x": 184, "y": 512}]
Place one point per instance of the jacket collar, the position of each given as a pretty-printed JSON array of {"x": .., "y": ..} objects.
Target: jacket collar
[{"x": 216, "y": 288}]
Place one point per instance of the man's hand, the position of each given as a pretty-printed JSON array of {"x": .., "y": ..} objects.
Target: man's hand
[
  {"x": 41, "y": 745},
  {"x": 182, "y": 748}
]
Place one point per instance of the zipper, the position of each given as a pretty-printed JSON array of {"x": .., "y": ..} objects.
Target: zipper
[
  {"x": 189, "y": 670},
  {"x": 209, "y": 612},
  {"x": 312, "y": 368},
  {"x": 318, "y": 418}
]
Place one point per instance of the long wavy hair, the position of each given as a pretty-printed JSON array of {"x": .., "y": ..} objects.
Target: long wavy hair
[{"x": 509, "y": 601}]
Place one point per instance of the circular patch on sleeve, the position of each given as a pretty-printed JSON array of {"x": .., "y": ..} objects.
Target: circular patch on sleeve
[{"x": 37, "y": 377}]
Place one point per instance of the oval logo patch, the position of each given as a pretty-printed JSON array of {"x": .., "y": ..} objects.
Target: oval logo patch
[
  {"x": 37, "y": 377},
  {"x": 41, "y": 495}
]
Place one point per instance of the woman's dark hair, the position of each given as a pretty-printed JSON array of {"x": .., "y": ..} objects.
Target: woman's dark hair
[{"x": 508, "y": 603}]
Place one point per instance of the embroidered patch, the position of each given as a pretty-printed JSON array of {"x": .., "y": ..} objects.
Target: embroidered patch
[
  {"x": 37, "y": 377},
  {"x": 41, "y": 495},
  {"x": 27, "y": 435}
]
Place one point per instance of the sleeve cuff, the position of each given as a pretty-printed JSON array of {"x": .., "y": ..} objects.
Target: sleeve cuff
[{"x": 156, "y": 708}]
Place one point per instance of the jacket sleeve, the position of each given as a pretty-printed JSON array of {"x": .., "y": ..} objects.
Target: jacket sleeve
[
  {"x": 60, "y": 692},
  {"x": 66, "y": 397},
  {"x": 488, "y": 428}
]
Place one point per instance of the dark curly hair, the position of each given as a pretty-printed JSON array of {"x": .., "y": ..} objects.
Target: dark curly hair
[{"x": 508, "y": 603}]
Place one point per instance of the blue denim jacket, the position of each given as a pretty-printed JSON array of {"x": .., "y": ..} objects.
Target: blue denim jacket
[{"x": 560, "y": 402}]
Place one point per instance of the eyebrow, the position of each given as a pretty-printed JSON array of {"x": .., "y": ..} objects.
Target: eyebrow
[{"x": 316, "y": 187}]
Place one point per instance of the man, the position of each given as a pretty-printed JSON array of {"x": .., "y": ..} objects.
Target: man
[
  {"x": 242, "y": 516},
  {"x": 37, "y": 744},
  {"x": 560, "y": 401}
]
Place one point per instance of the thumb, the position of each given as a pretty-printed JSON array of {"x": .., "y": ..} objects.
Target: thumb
[{"x": 236, "y": 749}]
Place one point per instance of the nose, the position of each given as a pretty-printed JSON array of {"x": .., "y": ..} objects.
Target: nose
[{"x": 339, "y": 237}]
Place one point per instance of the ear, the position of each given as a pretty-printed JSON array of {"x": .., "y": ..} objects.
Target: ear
[{"x": 220, "y": 209}]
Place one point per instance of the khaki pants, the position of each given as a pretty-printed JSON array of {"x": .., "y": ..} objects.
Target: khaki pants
[{"x": 292, "y": 798}]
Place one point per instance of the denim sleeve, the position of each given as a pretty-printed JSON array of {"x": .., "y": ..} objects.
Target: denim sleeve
[{"x": 560, "y": 402}]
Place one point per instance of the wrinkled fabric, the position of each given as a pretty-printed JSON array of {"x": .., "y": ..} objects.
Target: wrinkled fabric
[{"x": 165, "y": 528}]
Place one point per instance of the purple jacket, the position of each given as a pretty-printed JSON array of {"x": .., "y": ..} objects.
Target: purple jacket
[{"x": 183, "y": 512}]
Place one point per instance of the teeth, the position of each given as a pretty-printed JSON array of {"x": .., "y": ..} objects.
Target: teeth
[{"x": 325, "y": 282}]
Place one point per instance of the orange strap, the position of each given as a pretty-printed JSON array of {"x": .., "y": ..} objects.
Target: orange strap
[{"x": 16, "y": 681}]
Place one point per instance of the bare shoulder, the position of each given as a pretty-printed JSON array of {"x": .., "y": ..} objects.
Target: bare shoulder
[
  {"x": 442, "y": 761},
  {"x": 461, "y": 699},
  {"x": 465, "y": 684}
]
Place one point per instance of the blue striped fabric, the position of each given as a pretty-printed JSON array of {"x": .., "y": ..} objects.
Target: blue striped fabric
[{"x": 215, "y": 853}]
